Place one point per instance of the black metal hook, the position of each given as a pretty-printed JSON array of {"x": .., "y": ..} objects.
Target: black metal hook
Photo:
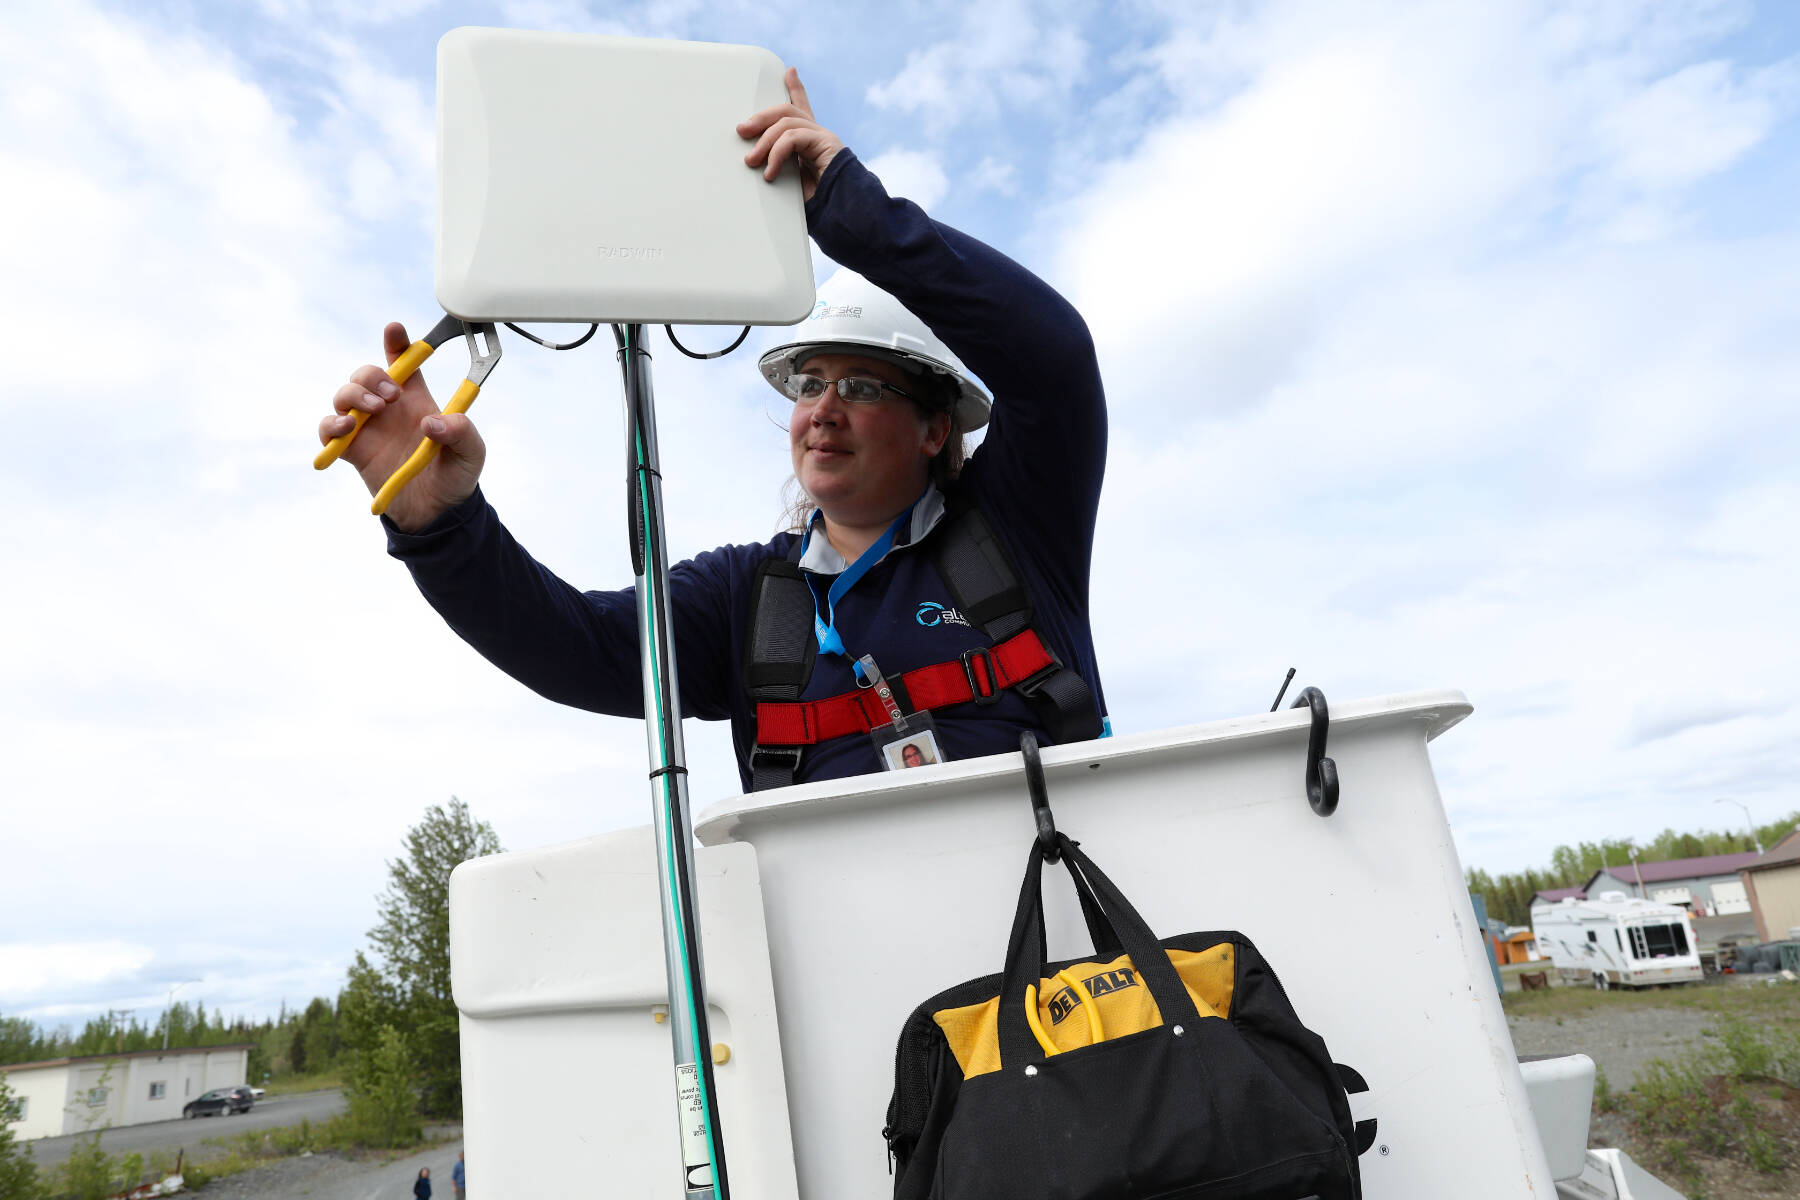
[
  {"x": 1321, "y": 772},
  {"x": 1040, "y": 797}
]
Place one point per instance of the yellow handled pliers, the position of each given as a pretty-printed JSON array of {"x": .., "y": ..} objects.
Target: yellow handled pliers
[{"x": 484, "y": 352}]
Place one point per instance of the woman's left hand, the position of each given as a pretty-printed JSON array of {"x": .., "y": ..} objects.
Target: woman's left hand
[{"x": 789, "y": 131}]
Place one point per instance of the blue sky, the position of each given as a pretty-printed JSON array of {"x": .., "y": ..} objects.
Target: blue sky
[{"x": 1446, "y": 346}]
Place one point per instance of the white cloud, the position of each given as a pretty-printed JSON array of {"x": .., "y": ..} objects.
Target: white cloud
[
  {"x": 993, "y": 175},
  {"x": 28, "y": 968},
  {"x": 1002, "y": 57},
  {"x": 914, "y": 174},
  {"x": 1391, "y": 404}
]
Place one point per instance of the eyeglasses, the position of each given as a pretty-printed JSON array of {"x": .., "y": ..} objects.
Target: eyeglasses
[{"x": 855, "y": 389}]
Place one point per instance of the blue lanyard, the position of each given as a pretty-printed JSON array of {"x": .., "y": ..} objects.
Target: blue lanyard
[{"x": 825, "y": 627}]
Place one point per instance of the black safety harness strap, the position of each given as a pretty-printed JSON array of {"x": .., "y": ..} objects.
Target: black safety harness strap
[
  {"x": 988, "y": 591},
  {"x": 975, "y": 565}
]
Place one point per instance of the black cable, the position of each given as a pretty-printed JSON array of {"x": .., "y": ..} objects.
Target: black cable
[
  {"x": 670, "y": 330},
  {"x": 580, "y": 341}
]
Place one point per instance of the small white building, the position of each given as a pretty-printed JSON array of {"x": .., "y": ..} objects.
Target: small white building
[{"x": 73, "y": 1095}]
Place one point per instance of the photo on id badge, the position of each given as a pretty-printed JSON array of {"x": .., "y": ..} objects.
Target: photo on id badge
[{"x": 918, "y": 750}]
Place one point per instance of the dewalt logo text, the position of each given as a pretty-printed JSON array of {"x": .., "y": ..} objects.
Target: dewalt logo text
[{"x": 1066, "y": 1001}]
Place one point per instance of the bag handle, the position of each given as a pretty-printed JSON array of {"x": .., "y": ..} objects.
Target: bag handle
[
  {"x": 1025, "y": 954},
  {"x": 1106, "y": 943}
]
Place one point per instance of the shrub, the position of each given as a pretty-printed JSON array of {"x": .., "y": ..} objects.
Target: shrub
[{"x": 384, "y": 1097}]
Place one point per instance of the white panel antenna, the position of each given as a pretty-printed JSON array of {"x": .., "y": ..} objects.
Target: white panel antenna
[{"x": 586, "y": 178}]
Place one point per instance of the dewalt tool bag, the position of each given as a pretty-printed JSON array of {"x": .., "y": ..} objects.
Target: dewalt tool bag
[{"x": 1155, "y": 1070}]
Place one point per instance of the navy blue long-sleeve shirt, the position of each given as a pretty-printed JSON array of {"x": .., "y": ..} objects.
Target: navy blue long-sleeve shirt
[{"x": 1037, "y": 477}]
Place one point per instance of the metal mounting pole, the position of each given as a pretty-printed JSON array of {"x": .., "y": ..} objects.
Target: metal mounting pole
[{"x": 702, "y": 1144}]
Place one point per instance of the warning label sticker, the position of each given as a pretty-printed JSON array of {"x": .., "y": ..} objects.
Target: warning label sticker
[{"x": 696, "y": 1155}]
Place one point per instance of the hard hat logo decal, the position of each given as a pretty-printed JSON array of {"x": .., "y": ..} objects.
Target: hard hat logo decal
[{"x": 823, "y": 311}]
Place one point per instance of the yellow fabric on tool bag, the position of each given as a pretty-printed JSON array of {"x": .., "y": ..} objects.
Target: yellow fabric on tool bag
[{"x": 1124, "y": 1005}]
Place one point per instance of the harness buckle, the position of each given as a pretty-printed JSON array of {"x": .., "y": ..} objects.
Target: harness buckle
[
  {"x": 785, "y": 758},
  {"x": 1029, "y": 686},
  {"x": 986, "y": 656}
]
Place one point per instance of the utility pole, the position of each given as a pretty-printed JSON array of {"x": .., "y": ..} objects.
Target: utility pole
[{"x": 1754, "y": 840}]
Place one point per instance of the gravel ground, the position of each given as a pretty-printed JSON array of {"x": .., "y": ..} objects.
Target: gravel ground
[
  {"x": 1620, "y": 1042},
  {"x": 331, "y": 1176},
  {"x": 315, "y": 1175}
]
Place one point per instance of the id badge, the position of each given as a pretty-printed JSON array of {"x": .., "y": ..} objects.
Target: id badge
[
  {"x": 908, "y": 739},
  {"x": 914, "y": 746}
]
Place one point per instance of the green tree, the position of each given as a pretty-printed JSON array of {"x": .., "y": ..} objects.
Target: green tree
[
  {"x": 297, "y": 1051},
  {"x": 20, "y": 1041},
  {"x": 1509, "y": 896},
  {"x": 18, "y": 1174},
  {"x": 318, "y": 1024},
  {"x": 383, "y": 1092},
  {"x": 412, "y": 941}
]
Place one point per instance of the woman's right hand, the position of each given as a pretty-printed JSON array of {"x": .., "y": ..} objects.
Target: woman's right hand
[{"x": 398, "y": 417}]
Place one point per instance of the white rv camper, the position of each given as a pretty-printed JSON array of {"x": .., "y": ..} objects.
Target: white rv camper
[{"x": 1617, "y": 941}]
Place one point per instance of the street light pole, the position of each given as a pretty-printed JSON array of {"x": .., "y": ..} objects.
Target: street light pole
[{"x": 1754, "y": 840}]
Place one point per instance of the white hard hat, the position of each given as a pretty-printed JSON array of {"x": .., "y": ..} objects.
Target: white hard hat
[{"x": 856, "y": 317}]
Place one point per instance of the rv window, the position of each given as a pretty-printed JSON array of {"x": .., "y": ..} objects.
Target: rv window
[
  {"x": 1592, "y": 936},
  {"x": 1664, "y": 941},
  {"x": 1619, "y": 940},
  {"x": 1637, "y": 942}
]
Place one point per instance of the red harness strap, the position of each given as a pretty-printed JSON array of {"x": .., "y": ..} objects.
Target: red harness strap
[{"x": 980, "y": 675}]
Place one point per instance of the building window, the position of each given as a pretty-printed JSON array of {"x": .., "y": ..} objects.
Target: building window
[
  {"x": 16, "y": 1110},
  {"x": 97, "y": 1096},
  {"x": 158, "y": 1090}
]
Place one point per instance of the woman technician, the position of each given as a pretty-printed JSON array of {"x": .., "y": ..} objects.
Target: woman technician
[{"x": 894, "y": 597}]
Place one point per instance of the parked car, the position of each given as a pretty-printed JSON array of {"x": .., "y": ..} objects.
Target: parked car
[
  {"x": 257, "y": 1093},
  {"x": 220, "y": 1102}
]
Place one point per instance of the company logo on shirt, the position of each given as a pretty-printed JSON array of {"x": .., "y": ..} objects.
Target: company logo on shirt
[{"x": 932, "y": 613}]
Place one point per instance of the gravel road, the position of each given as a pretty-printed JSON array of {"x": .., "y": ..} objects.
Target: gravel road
[{"x": 192, "y": 1135}]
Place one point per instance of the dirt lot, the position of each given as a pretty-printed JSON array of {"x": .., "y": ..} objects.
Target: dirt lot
[{"x": 1623, "y": 1031}]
